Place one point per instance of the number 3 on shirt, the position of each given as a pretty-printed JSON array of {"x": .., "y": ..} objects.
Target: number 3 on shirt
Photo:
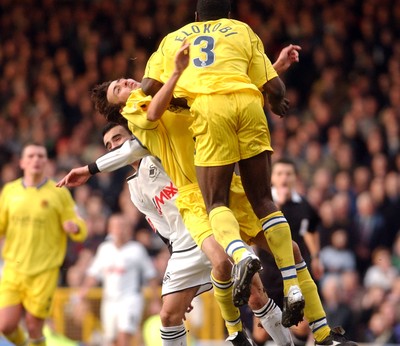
[{"x": 207, "y": 50}]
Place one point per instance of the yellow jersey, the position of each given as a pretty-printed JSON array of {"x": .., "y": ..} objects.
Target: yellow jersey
[
  {"x": 225, "y": 56},
  {"x": 31, "y": 219},
  {"x": 168, "y": 138}
]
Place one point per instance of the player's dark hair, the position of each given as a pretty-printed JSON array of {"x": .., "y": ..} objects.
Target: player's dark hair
[
  {"x": 213, "y": 9},
  {"x": 112, "y": 124},
  {"x": 286, "y": 161},
  {"x": 99, "y": 96},
  {"x": 33, "y": 143}
]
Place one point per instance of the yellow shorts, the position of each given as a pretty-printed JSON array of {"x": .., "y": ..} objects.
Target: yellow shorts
[
  {"x": 34, "y": 292},
  {"x": 229, "y": 128},
  {"x": 192, "y": 208}
]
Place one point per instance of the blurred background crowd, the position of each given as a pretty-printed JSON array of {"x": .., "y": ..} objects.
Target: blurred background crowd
[{"x": 342, "y": 131}]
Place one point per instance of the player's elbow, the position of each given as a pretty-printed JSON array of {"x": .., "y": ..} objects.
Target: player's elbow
[
  {"x": 275, "y": 89},
  {"x": 150, "y": 86},
  {"x": 152, "y": 116}
]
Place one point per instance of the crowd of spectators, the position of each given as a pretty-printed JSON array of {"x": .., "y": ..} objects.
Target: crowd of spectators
[{"x": 343, "y": 128}]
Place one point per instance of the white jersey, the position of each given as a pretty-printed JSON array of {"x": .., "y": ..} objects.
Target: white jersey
[
  {"x": 123, "y": 271},
  {"x": 154, "y": 194}
]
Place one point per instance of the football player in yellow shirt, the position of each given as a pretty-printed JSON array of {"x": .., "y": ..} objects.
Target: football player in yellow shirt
[
  {"x": 36, "y": 218},
  {"x": 223, "y": 84}
]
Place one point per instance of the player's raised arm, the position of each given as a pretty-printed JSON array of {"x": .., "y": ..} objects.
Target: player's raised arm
[
  {"x": 162, "y": 99},
  {"x": 287, "y": 56}
]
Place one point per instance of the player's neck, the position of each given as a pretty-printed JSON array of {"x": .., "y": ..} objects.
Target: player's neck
[
  {"x": 136, "y": 164},
  {"x": 33, "y": 180}
]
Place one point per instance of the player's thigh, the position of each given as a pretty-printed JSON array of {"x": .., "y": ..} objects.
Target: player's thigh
[
  {"x": 214, "y": 183},
  {"x": 175, "y": 305},
  {"x": 40, "y": 292}
]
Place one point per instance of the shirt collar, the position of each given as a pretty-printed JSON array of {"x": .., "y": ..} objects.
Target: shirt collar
[{"x": 295, "y": 197}]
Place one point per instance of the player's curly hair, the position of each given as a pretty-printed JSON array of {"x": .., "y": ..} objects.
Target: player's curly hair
[
  {"x": 213, "y": 9},
  {"x": 112, "y": 112}
]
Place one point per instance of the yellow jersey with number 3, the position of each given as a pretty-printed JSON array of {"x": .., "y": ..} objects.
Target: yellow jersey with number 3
[{"x": 225, "y": 56}]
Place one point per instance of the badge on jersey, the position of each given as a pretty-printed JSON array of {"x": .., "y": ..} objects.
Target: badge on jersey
[{"x": 153, "y": 172}]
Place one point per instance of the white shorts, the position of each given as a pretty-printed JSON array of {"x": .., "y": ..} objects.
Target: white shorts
[
  {"x": 121, "y": 315},
  {"x": 187, "y": 269}
]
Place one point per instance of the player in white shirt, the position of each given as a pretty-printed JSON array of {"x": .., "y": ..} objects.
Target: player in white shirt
[
  {"x": 188, "y": 270},
  {"x": 123, "y": 266}
]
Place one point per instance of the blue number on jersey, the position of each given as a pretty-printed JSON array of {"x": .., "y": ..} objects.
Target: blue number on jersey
[{"x": 207, "y": 50}]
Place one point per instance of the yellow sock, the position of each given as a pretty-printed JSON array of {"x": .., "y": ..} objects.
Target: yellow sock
[
  {"x": 279, "y": 239},
  {"x": 226, "y": 232},
  {"x": 229, "y": 312},
  {"x": 37, "y": 342},
  {"x": 313, "y": 310},
  {"x": 17, "y": 337}
]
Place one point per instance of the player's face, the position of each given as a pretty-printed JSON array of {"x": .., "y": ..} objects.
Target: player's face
[
  {"x": 117, "y": 136},
  {"x": 283, "y": 175},
  {"x": 33, "y": 160},
  {"x": 120, "y": 89},
  {"x": 120, "y": 229}
]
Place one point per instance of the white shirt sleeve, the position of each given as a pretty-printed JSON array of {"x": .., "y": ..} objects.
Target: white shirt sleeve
[{"x": 125, "y": 155}]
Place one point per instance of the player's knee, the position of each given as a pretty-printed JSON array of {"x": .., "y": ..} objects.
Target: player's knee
[
  {"x": 222, "y": 269},
  {"x": 7, "y": 328},
  {"x": 171, "y": 318},
  {"x": 9, "y": 321}
]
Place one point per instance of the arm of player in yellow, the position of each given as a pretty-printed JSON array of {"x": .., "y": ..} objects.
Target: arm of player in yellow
[{"x": 162, "y": 99}]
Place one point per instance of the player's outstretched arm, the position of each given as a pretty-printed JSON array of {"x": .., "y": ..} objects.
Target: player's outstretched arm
[
  {"x": 76, "y": 177},
  {"x": 129, "y": 152}
]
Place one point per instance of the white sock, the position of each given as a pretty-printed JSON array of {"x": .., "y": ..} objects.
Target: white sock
[
  {"x": 173, "y": 336},
  {"x": 270, "y": 316}
]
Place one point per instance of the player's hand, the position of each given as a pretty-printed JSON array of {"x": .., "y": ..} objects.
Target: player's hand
[
  {"x": 70, "y": 227},
  {"x": 182, "y": 57},
  {"x": 288, "y": 56},
  {"x": 76, "y": 177},
  {"x": 188, "y": 309},
  {"x": 280, "y": 108}
]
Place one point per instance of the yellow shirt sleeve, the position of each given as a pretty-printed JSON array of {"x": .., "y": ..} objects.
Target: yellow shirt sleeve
[
  {"x": 260, "y": 68},
  {"x": 70, "y": 213},
  {"x": 155, "y": 65}
]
